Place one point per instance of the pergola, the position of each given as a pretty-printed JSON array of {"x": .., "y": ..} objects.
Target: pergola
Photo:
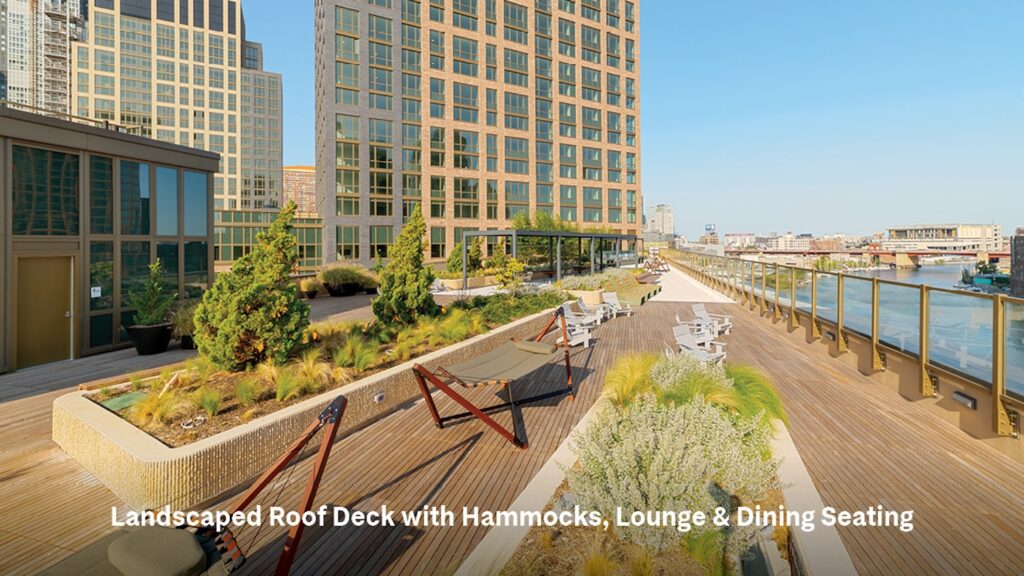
[{"x": 556, "y": 238}]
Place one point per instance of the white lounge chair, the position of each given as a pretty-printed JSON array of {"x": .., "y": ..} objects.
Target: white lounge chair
[
  {"x": 688, "y": 345},
  {"x": 705, "y": 325},
  {"x": 703, "y": 337},
  {"x": 616, "y": 305},
  {"x": 602, "y": 311},
  {"x": 577, "y": 320},
  {"x": 722, "y": 322},
  {"x": 577, "y": 336}
]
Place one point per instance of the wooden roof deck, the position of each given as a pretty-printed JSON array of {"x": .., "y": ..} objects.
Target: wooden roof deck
[
  {"x": 865, "y": 445},
  {"x": 862, "y": 444}
]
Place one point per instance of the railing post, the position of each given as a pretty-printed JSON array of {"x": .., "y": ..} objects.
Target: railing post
[
  {"x": 840, "y": 336},
  {"x": 764, "y": 288},
  {"x": 752, "y": 300},
  {"x": 1000, "y": 417},
  {"x": 815, "y": 329},
  {"x": 794, "y": 322},
  {"x": 876, "y": 355},
  {"x": 778, "y": 312},
  {"x": 927, "y": 387}
]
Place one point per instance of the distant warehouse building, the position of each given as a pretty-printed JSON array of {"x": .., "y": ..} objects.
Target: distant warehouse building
[
  {"x": 945, "y": 237},
  {"x": 85, "y": 210}
]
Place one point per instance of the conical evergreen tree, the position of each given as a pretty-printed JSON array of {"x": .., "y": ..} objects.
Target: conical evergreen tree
[
  {"x": 253, "y": 312},
  {"x": 405, "y": 282}
]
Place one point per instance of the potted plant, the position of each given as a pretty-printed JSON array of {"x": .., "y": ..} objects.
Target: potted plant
[
  {"x": 151, "y": 331},
  {"x": 182, "y": 324},
  {"x": 341, "y": 280},
  {"x": 309, "y": 287},
  {"x": 370, "y": 282}
]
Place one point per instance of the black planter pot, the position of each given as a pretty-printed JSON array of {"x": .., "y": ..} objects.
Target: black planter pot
[
  {"x": 187, "y": 342},
  {"x": 350, "y": 288},
  {"x": 310, "y": 294},
  {"x": 333, "y": 290},
  {"x": 371, "y": 291},
  {"x": 150, "y": 340}
]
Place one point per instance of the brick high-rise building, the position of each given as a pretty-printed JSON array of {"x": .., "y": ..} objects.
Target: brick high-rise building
[
  {"x": 476, "y": 110},
  {"x": 300, "y": 187}
]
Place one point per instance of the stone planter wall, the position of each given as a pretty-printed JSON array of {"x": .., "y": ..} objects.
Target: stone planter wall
[{"x": 145, "y": 473}]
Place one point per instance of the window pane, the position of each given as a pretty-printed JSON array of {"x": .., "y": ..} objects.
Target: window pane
[
  {"x": 166, "y": 201},
  {"x": 101, "y": 275},
  {"x": 45, "y": 189},
  {"x": 101, "y": 330},
  {"x": 134, "y": 198},
  {"x": 197, "y": 269},
  {"x": 196, "y": 204},
  {"x": 167, "y": 252},
  {"x": 101, "y": 195},
  {"x": 134, "y": 267}
]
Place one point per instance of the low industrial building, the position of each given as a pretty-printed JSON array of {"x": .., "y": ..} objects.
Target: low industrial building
[
  {"x": 945, "y": 238},
  {"x": 84, "y": 211}
]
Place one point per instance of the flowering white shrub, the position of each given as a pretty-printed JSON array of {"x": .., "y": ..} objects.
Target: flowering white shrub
[
  {"x": 646, "y": 457},
  {"x": 676, "y": 368}
]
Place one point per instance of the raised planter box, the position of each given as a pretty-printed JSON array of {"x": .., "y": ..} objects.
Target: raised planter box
[
  {"x": 145, "y": 473},
  {"x": 472, "y": 282},
  {"x": 590, "y": 297}
]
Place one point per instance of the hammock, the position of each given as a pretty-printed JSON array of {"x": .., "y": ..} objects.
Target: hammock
[
  {"x": 505, "y": 365},
  {"x": 198, "y": 551}
]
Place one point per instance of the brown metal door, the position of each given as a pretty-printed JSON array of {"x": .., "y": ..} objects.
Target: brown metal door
[{"x": 44, "y": 310}]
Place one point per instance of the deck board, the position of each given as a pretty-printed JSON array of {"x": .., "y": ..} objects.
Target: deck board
[{"x": 862, "y": 444}]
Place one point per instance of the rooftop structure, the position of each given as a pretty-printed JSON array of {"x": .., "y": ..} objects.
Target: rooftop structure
[{"x": 72, "y": 244}]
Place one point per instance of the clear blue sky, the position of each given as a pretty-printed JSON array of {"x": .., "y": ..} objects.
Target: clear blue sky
[{"x": 799, "y": 115}]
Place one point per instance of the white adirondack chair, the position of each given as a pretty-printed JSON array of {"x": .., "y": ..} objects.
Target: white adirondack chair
[
  {"x": 617, "y": 307},
  {"x": 688, "y": 345}
]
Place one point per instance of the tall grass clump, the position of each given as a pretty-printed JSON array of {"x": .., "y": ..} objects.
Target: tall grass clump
[
  {"x": 207, "y": 400},
  {"x": 756, "y": 393},
  {"x": 156, "y": 408},
  {"x": 358, "y": 353},
  {"x": 248, "y": 391},
  {"x": 629, "y": 377}
]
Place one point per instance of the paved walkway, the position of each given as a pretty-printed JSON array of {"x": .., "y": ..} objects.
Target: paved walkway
[{"x": 678, "y": 287}]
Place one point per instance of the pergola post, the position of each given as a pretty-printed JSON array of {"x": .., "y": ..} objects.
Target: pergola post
[
  {"x": 465, "y": 268},
  {"x": 592, "y": 241},
  {"x": 515, "y": 244},
  {"x": 558, "y": 257}
]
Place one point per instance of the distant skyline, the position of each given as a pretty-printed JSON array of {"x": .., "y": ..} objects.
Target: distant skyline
[{"x": 820, "y": 118}]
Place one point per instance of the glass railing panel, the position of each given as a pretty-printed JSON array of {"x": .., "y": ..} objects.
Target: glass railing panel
[
  {"x": 899, "y": 317},
  {"x": 857, "y": 304},
  {"x": 960, "y": 333},
  {"x": 827, "y": 288},
  {"x": 1013, "y": 311},
  {"x": 785, "y": 282},
  {"x": 803, "y": 290}
]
